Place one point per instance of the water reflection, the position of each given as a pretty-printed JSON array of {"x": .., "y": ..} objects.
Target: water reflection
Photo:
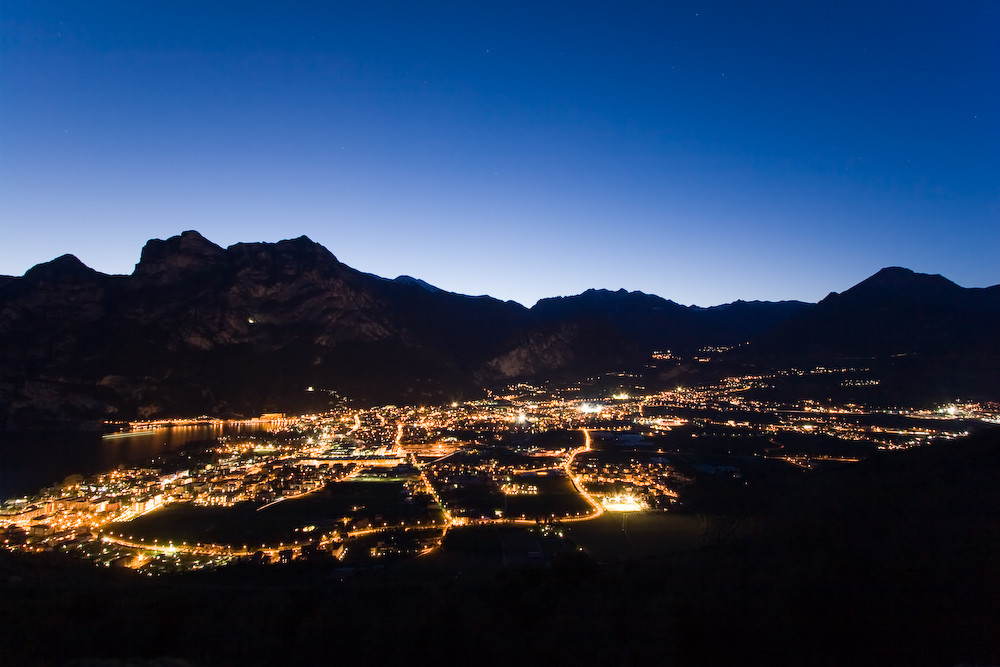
[
  {"x": 139, "y": 446},
  {"x": 31, "y": 461}
]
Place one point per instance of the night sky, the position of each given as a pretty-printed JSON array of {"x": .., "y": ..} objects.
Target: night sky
[{"x": 702, "y": 151}]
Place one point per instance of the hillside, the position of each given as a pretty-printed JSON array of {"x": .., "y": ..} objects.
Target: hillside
[{"x": 198, "y": 329}]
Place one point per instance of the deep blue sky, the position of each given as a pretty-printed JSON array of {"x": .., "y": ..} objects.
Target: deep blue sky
[{"x": 702, "y": 151}]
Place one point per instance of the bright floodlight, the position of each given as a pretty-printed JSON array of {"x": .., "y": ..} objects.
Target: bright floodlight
[{"x": 623, "y": 502}]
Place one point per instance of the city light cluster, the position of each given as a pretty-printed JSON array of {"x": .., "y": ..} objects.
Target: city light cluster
[{"x": 530, "y": 454}]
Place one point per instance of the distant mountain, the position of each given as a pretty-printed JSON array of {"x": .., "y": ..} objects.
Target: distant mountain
[
  {"x": 599, "y": 330},
  {"x": 923, "y": 335},
  {"x": 200, "y": 329}
]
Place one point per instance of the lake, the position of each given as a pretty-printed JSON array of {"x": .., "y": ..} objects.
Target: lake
[{"x": 31, "y": 461}]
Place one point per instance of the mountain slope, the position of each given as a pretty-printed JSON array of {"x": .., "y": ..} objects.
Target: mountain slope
[
  {"x": 200, "y": 329},
  {"x": 601, "y": 329},
  {"x": 922, "y": 334}
]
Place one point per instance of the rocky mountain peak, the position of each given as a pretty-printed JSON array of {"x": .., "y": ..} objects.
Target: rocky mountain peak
[
  {"x": 64, "y": 270},
  {"x": 895, "y": 282},
  {"x": 190, "y": 252},
  {"x": 284, "y": 260}
]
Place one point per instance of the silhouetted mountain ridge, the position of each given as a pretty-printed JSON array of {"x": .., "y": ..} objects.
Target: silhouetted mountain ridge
[{"x": 201, "y": 329}]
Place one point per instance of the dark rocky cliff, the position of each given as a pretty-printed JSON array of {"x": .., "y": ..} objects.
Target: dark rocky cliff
[{"x": 201, "y": 329}]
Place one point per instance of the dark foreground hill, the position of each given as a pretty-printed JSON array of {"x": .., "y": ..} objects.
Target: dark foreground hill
[{"x": 891, "y": 562}]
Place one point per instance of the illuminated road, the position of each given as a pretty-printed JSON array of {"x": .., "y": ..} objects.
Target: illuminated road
[
  {"x": 247, "y": 550},
  {"x": 293, "y": 496},
  {"x": 397, "y": 447},
  {"x": 598, "y": 508},
  {"x": 273, "y": 502},
  {"x": 195, "y": 549}
]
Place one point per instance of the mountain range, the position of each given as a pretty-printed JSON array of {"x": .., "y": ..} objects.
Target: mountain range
[{"x": 258, "y": 327}]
